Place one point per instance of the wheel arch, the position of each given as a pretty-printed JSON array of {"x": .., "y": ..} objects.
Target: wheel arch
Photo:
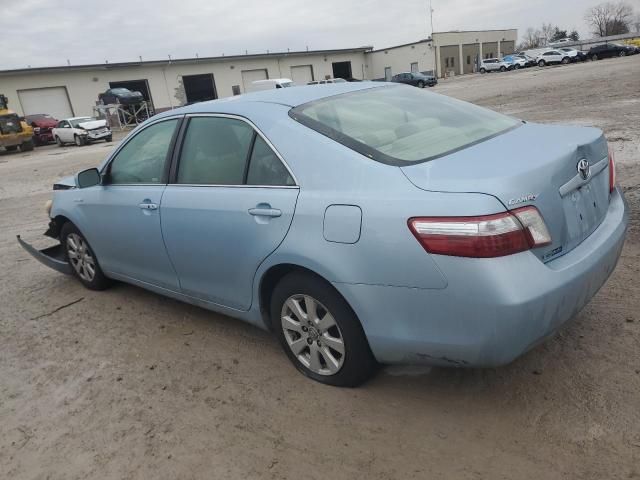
[{"x": 270, "y": 279}]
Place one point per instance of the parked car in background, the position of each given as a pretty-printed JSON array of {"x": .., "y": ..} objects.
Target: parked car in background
[
  {"x": 574, "y": 55},
  {"x": 327, "y": 80},
  {"x": 494, "y": 65},
  {"x": 123, "y": 96},
  {"x": 471, "y": 258},
  {"x": 629, "y": 49},
  {"x": 42, "y": 124},
  {"x": 515, "y": 62},
  {"x": 81, "y": 130},
  {"x": 416, "y": 79},
  {"x": 606, "y": 50},
  {"x": 553, "y": 57},
  {"x": 271, "y": 84},
  {"x": 530, "y": 61}
]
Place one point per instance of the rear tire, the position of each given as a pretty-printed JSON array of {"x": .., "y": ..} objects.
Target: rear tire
[
  {"x": 79, "y": 141},
  {"x": 594, "y": 57},
  {"x": 516, "y": 67},
  {"x": 622, "y": 54},
  {"x": 565, "y": 60},
  {"x": 27, "y": 146},
  {"x": 309, "y": 316},
  {"x": 108, "y": 139},
  {"x": 83, "y": 261},
  {"x": 59, "y": 142},
  {"x": 483, "y": 70},
  {"x": 503, "y": 68}
]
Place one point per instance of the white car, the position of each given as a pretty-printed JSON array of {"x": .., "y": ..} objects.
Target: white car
[
  {"x": 552, "y": 56},
  {"x": 494, "y": 65},
  {"x": 81, "y": 130},
  {"x": 270, "y": 84}
]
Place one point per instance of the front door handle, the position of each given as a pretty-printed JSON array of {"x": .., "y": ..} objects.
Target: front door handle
[
  {"x": 265, "y": 212},
  {"x": 148, "y": 206}
]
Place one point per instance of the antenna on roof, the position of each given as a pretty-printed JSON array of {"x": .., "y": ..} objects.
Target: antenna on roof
[
  {"x": 246, "y": 52},
  {"x": 169, "y": 56},
  {"x": 197, "y": 55},
  {"x": 140, "y": 57},
  {"x": 267, "y": 50},
  {"x": 68, "y": 62},
  {"x": 307, "y": 48}
]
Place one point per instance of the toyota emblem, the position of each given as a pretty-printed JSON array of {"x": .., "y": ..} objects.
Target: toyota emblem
[{"x": 584, "y": 169}]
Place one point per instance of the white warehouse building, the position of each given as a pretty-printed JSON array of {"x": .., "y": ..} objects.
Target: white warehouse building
[{"x": 67, "y": 91}]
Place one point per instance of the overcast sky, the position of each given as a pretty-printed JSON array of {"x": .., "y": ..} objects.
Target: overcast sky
[{"x": 48, "y": 32}]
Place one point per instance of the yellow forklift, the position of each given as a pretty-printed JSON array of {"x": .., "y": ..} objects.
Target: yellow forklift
[{"x": 14, "y": 132}]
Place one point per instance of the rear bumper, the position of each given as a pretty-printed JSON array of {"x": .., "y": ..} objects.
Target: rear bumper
[
  {"x": 493, "y": 310},
  {"x": 52, "y": 257}
]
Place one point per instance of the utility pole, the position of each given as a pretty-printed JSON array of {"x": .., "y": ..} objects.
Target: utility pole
[{"x": 433, "y": 45}]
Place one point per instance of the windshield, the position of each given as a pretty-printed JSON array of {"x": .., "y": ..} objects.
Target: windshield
[
  {"x": 401, "y": 125},
  {"x": 120, "y": 91},
  {"x": 76, "y": 121}
]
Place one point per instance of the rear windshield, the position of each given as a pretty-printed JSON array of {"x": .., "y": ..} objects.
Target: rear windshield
[{"x": 401, "y": 125}]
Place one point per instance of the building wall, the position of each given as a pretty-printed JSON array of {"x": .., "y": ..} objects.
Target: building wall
[
  {"x": 486, "y": 42},
  {"x": 83, "y": 86},
  {"x": 400, "y": 59},
  {"x": 470, "y": 56}
]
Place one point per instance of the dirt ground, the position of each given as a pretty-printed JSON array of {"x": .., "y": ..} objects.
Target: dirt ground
[{"x": 127, "y": 384}]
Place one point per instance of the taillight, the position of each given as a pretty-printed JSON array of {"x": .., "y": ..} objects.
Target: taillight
[
  {"x": 612, "y": 171},
  {"x": 483, "y": 236}
]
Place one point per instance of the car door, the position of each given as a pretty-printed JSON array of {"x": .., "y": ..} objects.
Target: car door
[
  {"x": 229, "y": 204},
  {"x": 123, "y": 213},
  {"x": 64, "y": 131}
]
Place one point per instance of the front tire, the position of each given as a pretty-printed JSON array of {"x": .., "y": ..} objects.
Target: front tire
[
  {"x": 503, "y": 68},
  {"x": 594, "y": 57},
  {"x": 83, "y": 261},
  {"x": 319, "y": 332},
  {"x": 59, "y": 142},
  {"x": 27, "y": 146},
  {"x": 79, "y": 141},
  {"x": 420, "y": 84},
  {"x": 108, "y": 139},
  {"x": 541, "y": 63},
  {"x": 622, "y": 54},
  {"x": 565, "y": 60}
]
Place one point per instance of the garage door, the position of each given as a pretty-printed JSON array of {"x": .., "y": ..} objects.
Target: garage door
[
  {"x": 53, "y": 101},
  {"x": 249, "y": 76},
  {"x": 301, "y": 74}
]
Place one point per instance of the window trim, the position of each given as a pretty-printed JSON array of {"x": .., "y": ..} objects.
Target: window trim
[
  {"x": 176, "y": 157},
  {"x": 167, "y": 161}
]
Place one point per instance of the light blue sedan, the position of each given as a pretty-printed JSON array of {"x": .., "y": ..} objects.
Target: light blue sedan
[{"x": 361, "y": 223}]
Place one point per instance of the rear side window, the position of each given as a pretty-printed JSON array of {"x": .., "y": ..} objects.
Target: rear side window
[
  {"x": 401, "y": 125},
  {"x": 265, "y": 167},
  {"x": 142, "y": 159},
  {"x": 215, "y": 151}
]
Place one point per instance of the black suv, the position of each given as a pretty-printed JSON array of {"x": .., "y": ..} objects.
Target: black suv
[{"x": 416, "y": 79}]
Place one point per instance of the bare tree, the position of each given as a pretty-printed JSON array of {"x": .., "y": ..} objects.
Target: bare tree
[
  {"x": 610, "y": 18},
  {"x": 531, "y": 39}
]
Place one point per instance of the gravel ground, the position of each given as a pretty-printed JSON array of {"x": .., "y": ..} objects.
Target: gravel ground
[{"x": 128, "y": 384}]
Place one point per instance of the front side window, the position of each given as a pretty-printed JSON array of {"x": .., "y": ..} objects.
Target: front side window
[
  {"x": 142, "y": 160},
  {"x": 399, "y": 125},
  {"x": 215, "y": 151}
]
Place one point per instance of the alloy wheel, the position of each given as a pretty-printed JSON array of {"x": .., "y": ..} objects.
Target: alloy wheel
[
  {"x": 312, "y": 334},
  {"x": 80, "y": 257}
]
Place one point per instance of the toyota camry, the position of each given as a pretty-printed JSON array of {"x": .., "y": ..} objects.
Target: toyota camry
[{"x": 362, "y": 224}]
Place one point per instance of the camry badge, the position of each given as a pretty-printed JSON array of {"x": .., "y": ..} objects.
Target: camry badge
[
  {"x": 524, "y": 198},
  {"x": 584, "y": 169}
]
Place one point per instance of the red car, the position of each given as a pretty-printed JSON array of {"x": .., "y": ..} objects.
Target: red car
[{"x": 42, "y": 124}]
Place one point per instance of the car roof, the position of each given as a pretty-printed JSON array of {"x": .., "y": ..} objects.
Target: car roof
[{"x": 289, "y": 97}]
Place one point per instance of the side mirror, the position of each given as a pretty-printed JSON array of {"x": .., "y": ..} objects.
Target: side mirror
[{"x": 88, "y": 178}]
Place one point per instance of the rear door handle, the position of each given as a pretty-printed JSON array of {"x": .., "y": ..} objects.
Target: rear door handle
[
  {"x": 148, "y": 206},
  {"x": 265, "y": 212}
]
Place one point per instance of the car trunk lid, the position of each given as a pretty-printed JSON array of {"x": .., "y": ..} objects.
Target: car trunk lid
[{"x": 532, "y": 165}]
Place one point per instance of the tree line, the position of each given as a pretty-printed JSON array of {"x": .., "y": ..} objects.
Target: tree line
[{"x": 609, "y": 18}]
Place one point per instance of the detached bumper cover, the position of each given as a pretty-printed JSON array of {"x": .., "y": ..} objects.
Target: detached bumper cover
[{"x": 52, "y": 257}]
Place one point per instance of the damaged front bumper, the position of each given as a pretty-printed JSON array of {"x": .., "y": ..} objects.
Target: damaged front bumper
[{"x": 52, "y": 257}]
